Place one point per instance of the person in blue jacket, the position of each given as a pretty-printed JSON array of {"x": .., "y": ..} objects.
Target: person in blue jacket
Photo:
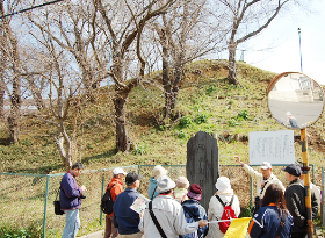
[
  {"x": 272, "y": 219},
  {"x": 157, "y": 172},
  {"x": 70, "y": 200},
  {"x": 125, "y": 219}
]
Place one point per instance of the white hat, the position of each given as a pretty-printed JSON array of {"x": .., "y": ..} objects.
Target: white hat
[
  {"x": 223, "y": 184},
  {"x": 158, "y": 171},
  {"x": 266, "y": 165},
  {"x": 165, "y": 184},
  {"x": 288, "y": 114},
  {"x": 119, "y": 170}
]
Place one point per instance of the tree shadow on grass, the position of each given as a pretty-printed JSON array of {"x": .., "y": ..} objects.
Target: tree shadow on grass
[
  {"x": 105, "y": 155},
  {"x": 4, "y": 141}
]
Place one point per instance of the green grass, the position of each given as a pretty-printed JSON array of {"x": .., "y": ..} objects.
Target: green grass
[{"x": 205, "y": 102}]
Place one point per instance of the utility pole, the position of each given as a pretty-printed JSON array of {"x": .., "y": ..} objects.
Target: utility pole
[{"x": 300, "y": 52}]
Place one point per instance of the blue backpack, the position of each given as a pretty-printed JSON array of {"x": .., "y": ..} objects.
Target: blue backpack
[{"x": 192, "y": 214}]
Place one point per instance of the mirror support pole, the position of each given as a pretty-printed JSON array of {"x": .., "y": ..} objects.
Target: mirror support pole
[{"x": 306, "y": 177}]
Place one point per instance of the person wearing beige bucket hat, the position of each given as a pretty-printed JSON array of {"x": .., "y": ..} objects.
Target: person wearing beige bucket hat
[
  {"x": 180, "y": 191},
  {"x": 226, "y": 195}
]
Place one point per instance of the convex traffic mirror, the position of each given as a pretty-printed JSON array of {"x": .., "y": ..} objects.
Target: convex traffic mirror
[{"x": 295, "y": 100}]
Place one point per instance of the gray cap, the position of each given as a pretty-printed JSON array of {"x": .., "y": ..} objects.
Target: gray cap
[{"x": 165, "y": 184}]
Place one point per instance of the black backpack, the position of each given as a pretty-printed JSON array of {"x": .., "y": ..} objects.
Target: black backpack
[{"x": 107, "y": 202}]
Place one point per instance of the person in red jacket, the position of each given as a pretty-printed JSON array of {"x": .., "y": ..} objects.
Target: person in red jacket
[{"x": 116, "y": 187}]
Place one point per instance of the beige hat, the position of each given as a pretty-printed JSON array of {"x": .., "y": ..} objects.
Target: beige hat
[{"x": 182, "y": 182}]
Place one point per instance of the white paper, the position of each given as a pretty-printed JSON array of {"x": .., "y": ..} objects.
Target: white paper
[
  {"x": 139, "y": 204},
  {"x": 274, "y": 147}
]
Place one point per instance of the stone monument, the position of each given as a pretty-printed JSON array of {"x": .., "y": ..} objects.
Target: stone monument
[{"x": 203, "y": 165}]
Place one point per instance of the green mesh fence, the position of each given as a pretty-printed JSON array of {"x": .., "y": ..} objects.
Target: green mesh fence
[{"x": 28, "y": 198}]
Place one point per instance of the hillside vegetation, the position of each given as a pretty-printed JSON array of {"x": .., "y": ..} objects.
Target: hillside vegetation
[{"x": 205, "y": 102}]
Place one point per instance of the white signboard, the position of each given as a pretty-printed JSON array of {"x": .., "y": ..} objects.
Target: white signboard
[{"x": 275, "y": 147}]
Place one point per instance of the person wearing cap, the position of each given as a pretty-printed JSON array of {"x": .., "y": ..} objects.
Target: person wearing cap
[
  {"x": 215, "y": 212},
  {"x": 180, "y": 191},
  {"x": 70, "y": 200},
  {"x": 193, "y": 209},
  {"x": 157, "y": 172},
  {"x": 315, "y": 198},
  {"x": 127, "y": 220},
  {"x": 292, "y": 121},
  {"x": 116, "y": 187},
  {"x": 263, "y": 178},
  {"x": 168, "y": 214},
  {"x": 295, "y": 199}
]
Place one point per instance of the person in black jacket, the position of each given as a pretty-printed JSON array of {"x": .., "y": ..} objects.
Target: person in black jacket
[{"x": 295, "y": 198}]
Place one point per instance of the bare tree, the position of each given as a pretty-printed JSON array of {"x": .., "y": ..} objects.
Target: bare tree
[
  {"x": 11, "y": 71},
  {"x": 246, "y": 19},
  {"x": 123, "y": 23},
  {"x": 183, "y": 34}
]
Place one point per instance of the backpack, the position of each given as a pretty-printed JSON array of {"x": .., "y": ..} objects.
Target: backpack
[
  {"x": 227, "y": 214},
  {"x": 192, "y": 215},
  {"x": 107, "y": 202}
]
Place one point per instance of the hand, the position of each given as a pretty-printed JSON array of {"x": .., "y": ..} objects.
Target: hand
[
  {"x": 203, "y": 223},
  {"x": 141, "y": 214},
  {"x": 83, "y": 188},
  {"x": 238, "y": 160}
]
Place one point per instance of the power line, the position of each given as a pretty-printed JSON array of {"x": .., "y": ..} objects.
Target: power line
[{"x": 30, "y": 8}]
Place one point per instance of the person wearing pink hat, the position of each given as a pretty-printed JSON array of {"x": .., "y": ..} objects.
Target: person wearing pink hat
[
  {"x": 226, "y": 195},
  {"x": 194, "y": 211}
]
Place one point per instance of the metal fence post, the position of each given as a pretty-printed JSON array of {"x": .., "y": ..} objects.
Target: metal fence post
[
  {"x": 45, "y": 203},
  {"x": 101, "y": 212},
  {"x": 323, "y": 195},
  {"x": 251, "y": 192},
  {"x": 313, "y": 168}
]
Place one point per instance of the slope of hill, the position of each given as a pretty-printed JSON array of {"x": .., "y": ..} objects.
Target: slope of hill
[{"x": 205, "y": 102}]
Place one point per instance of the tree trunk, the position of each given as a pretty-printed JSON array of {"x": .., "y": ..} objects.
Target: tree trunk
[
  {"x": 13, "y": 128},
  {"x": 123, "y": 142},
  {"x": 232, "y": 65}
]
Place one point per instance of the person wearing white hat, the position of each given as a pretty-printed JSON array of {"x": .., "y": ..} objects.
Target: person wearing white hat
[
  {"x": 263, "y": 178},
  {"x": 164, "y": 217},
  {"x": 157, "y": 172},
  {"x": 116, "y": 187},
  {"x": 216, "y": 208},
  {"x": 292, "y": 121}
]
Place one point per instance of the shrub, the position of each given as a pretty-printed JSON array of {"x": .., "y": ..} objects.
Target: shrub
[
  {"x": 8, "y": 230},
  {"x": 243, "y": 115},
  {"x": 232, "y": 123},
  {"x": 140, "y": 150},
  {"x": 201, "y": 118},
  {"x": 185, "y": 122},
  {"x": 211, "y": 89},
  {"x": 182, "y": 134}
]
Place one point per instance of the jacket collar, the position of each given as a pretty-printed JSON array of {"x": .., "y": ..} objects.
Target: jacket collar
[
  {"x": 130, "y": 190},
  {"x": 163, "y": 196},
  {"x": 191, "y": 202},
  {"x": 294, "y": 182},
  {"x": 69, "y": 172}
]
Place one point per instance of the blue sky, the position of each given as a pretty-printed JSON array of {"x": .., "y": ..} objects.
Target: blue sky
[{"x": 282, "y": 37}]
